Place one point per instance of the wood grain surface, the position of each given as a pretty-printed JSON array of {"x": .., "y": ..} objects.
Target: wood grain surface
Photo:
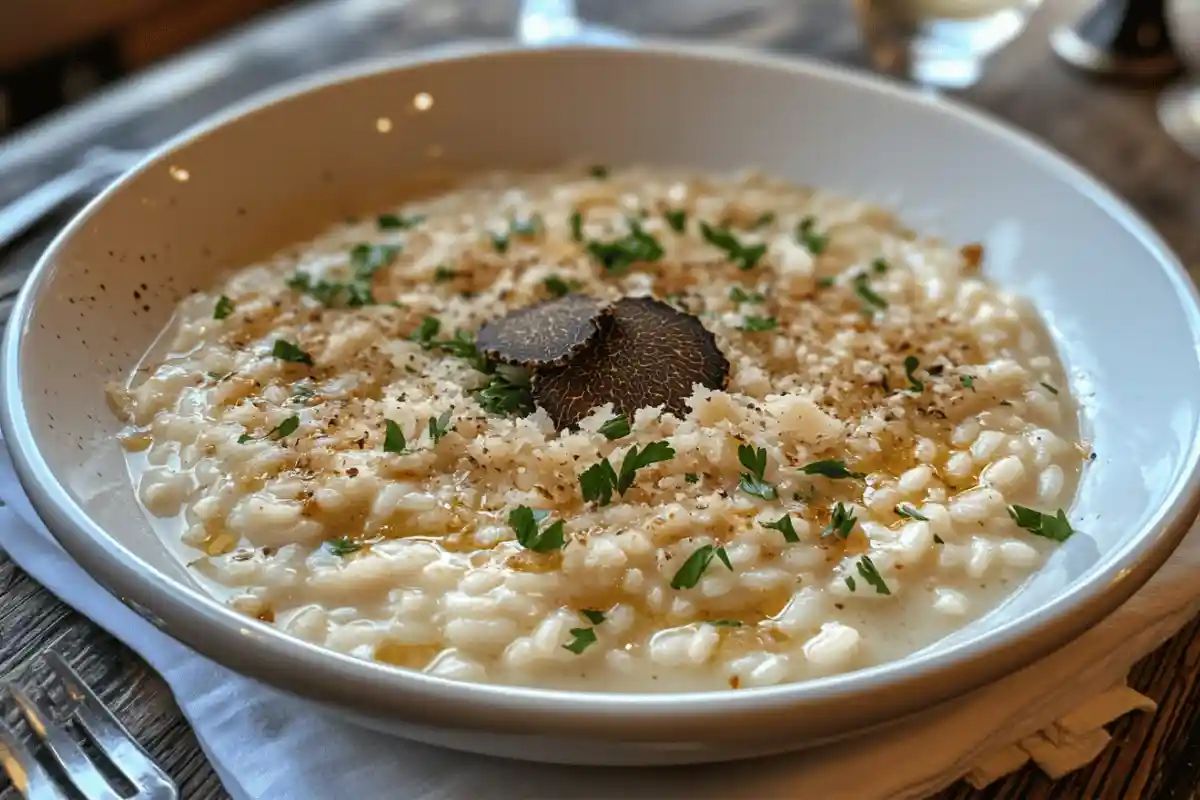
[{"x": 1110, "y": 130}]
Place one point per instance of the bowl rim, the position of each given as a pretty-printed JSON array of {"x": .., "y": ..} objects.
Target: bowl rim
[{"x": 256, "y": 649}]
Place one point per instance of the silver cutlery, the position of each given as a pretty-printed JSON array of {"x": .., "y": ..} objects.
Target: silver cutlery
[{"x": 52, "y": 724}]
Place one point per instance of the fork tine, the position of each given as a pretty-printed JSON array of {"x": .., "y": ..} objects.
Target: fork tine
[
  {"x": 110, "y": 735},
  {"x": 23, "y": 769},
  {"x": 79, "y": 768}
]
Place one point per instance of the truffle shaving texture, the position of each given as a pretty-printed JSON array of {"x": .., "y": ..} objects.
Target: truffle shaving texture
[
  {"x": 543, "y": 335},
  {"x": 647, "y": 354}
]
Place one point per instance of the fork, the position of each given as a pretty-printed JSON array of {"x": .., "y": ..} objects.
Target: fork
[{"x": 103, "y": 729}]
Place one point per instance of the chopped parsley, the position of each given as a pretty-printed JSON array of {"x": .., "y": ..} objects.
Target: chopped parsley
[
  {"x": 739, "y": 295},
  {"x": 849, "y": 579},
  {"x": 841, "y": 522},
  {"x": 582, "y": 639},
  {"x": 398, "y": 222},
  {"x": 879, "y": 266},
  {"x": 871, "y": 300},
  {"x": 908, "y": 512},
  {"x": 866, "y": 568},
  {"x": 342, "y": 546},
  {"x": 367, "y": 259},
  {"x": 1048, "y": 387},
  {"x": 911, "y": 363},
  {"x": 938, "y": 540},
  {"x": 505, "y": 395},
  {"x": 725, "y": 623},
  {"x": 764, "y": 219},
  {"x": 692, "y": 477},
  {"x": 440, "y": 426},
  {"x": 599, "y": 481},
  {"x": 687, "y": 576},
  {"x": 525, "y": 523},
  {"x": 461, "y": 346},
  {"x": 426, "y": 331},
  {"x": 754, "y": 459},
  {"x": 753, "y": 324},
  {"x": 967, "y": 381},
  {"x": 677, "y": 220},
  {"x": 443, "y": 274},
  {"x": 598, "y": 171},
  {"x": 746, "y": 257},
  {"x": 557, "y": 287},
  {"x": 784, "y": 525},
  {"x": 616, "y": 427},
  {"x": 594, "y": 617},
  {"x": 280, "y": 431},
  {"x": 301, "y": 393},
  {"x": 223, "y": 308},
  {"x": 526, "y": 228},
  {"x": 500, "y": 242},
  {"x": 287, "y": 351},
  {"x": 576, "y": 226},
  {"x": 1050, "y": 526},
  {"x": 826, "y": 282},
  {"x": 620, "y": 254},
  {"x": 807, "y": 235},
  {"x": 833, "y": 468},
  {"x": 393, "y": 438}
]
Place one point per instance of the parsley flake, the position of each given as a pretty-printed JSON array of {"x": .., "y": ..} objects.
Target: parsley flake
[
  {"x": 576, "y": 219},
  {"x": 938, "y": 540},
  {"x": 752, "y": 482},
  {"x": 557, "y": 287},
  {"x": 443, "y": 274},
  {"x": 832, "y": 468},
  {"x": 398, "y": 222},
  {"x": 739, "y": 295},
  {"x": 439, "y": 427},
  {"x": 582, "y": 639},
  {"x": 967, "y": 381},
  {"x": 342, "y": 546},
  {"x": 807, "y": 235},
  {"x": 426, "y": 331},
  {"x": 393, "y": 438},
  {"x": 692, "y": 477},
  {"x": 841, "y": 522},
  {"x": 500, "y": 242},
  {"x": 764, "y": 219},
  {"x": 287, "y": 351},
  {"x": 1050, "y": 526},
  {"x": 753, "y": 324},
  {"x": 725, "y": 623},
  {"x": 616, "y": 427},
  {"x": 617, "y": 256},
  {"x": 598, "y": 171},
  {"x": 849, "y": 579},
  {"x": 908, "y": 512},
  {"x": 784, "y": 525},
  {"x": 526, "y": 228},
  {"x": 746, "y": 257},
  {"x": 826, "y": 282},
  {"x": 677, "y": 220},
  {"x": 866, "y": 568},
  {"x": 594, "y": 617},
  {"x": 871, "y": 300},
  {"x": 280, "y": 431},
  {"x": 911, "y": 363},
  {"x": 687, "y": 576},
  {"x": 504, "y": 395},
  {"x": 223, "y": 308},
  {"x": 599, "y": 481},
  {"x": 524, "y": 522},
  {"x": 879, "y": 266}
]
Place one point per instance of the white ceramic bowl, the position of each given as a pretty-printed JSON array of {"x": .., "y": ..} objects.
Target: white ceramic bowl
[{"x": 1120, "y": 307}]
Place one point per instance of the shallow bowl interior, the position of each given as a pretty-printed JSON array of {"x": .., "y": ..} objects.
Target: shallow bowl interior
[{"x": 1121, "y": 310}]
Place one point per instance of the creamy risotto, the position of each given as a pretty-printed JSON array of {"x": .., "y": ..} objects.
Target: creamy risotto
[{"x": 857, "y": 445}]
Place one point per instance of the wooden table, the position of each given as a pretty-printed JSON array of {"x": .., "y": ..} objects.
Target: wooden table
[{"x": 1110, "y": 130}]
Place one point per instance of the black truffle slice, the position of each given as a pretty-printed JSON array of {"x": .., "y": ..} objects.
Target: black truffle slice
[
  {"x": 547, "y": 334},
  {"x": 647, "y": 354}
]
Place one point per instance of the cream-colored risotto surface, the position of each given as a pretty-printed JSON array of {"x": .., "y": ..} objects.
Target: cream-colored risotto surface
[{"x": 336, "y": 460}]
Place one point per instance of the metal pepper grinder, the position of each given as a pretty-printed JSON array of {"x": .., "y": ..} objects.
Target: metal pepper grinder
[{"x": 1120, "y": 39}]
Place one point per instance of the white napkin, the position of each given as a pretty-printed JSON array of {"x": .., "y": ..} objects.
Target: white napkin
[{"x": 266, "y": 746}]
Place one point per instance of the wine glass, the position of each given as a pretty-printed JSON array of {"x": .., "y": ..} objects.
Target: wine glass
[{"x": 939, "y": 44}]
